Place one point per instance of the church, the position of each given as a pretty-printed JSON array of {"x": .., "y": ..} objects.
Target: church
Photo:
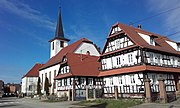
[{"x": 69, "y": 62}]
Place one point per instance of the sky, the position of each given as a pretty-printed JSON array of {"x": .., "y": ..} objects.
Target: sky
[{"x": 26, "y": 26}]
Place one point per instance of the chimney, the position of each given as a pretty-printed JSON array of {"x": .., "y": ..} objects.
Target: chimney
[{"x": 139, "y": 26}]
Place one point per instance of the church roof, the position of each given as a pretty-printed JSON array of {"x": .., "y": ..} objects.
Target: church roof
[
  {"x": 59, "y": 34},
  {"x": 34, "y": 71},
  {"x": 68, "y": 49},
  {"x": 81, "y": 65}
]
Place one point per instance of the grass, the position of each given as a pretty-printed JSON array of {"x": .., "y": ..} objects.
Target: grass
[{"x": 109, "y": 103}]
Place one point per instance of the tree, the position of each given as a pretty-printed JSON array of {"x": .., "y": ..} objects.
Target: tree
[
  {"x": 38, "y": 86},
  {"x": 46, "y": 86}
]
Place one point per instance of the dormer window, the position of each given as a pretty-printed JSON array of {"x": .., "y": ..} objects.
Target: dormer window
[
  {"x": 151, "y": 41},
  {"x": 178, "y": 47},
  {"x": 148, "y": 38}
]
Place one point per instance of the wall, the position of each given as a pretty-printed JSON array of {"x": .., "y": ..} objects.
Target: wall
[
  {"x": 84, "y": 47},
  {"x": 57, "y": 47},
  {"x": 47, "y": 71},
  {"x": 127, "y": 59},
  {"x": 29, "y": 85}
]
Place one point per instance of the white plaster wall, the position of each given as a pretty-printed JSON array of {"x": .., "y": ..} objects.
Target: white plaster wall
[
  {"x": 23, "y": 86},
  {"x": 172, "y": 44},
  {"x": 48, "y": 70},
  {"x": 146, "y": 38},
  {"x": 124, "y": 59},
  {"x": 84, "y": 47},
  {"x": 26, "y": 82},
  {"x": 57, "y": 47}
]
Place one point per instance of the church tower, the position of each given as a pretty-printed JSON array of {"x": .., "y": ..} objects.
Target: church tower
[{"x": 59, "y": 41}]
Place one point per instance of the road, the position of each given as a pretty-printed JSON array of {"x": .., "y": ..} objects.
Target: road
[{"x": 12, "y": 102}]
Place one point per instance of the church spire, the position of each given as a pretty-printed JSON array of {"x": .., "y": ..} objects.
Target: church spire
[{"x": 59, "y": 28}]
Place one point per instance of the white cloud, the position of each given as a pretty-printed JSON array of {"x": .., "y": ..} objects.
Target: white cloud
[
  {"x": 171, "y": 20},
  {"x": 25, "y": 11}
]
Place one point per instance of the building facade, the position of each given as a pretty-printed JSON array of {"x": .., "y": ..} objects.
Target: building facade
[
  {"x": 130, "y": 55},
  {"x": 30, "y": 80}
]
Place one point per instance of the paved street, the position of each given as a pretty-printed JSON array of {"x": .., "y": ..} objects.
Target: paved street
[
  {"x": 175, "y": 104},
  {"x": 13, "y": 102}
]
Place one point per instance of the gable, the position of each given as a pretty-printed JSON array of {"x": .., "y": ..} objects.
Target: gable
[
  {"x": 120, "y": 42},
  {"x": 115, "y": 29},
  {"x": 87, "y": 47}
]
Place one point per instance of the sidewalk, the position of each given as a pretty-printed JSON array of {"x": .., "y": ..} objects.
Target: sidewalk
[{"x": 175, "y": 104}]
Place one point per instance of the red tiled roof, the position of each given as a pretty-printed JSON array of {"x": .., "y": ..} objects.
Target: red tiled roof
[
  {"x": 34, "y": 72},
  {"x": 132, "y": 33},
  {"x": 141, "y": 68},
  {"x": 81, "y": 65},
  {"x": 69, "y": 49}
]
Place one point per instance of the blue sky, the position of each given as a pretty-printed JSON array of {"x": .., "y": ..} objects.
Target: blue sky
[{"x": 27, "y": 25}]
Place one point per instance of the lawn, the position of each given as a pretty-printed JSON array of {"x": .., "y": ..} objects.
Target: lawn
[{"x": 110, "y": 103}]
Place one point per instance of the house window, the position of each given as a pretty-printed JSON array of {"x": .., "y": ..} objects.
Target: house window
[
  {"x": 49, "y": 77},
  {"x": 60, "y": 82},
  {"x": 65, "y": 82},
  {"x": 83, "y": 81},
  {"x": 104, "y": 65},
  {"x": 151, "y": 57},
  {"x": 153, "y": 79},
  {"x": 130, "y": 59},
  {"x": 151, "y": 41},
  {"x": 30, "y": 79},
  {"x": 61, "y": 43},
  {"x": 178, "y": 47},
  {"x": 120, "y": 79},
  {"x": 118, "y": 44},
  {"x": 132, "y": 78},
  {"x": 111, "y": 81},
  {"x": 90, "y": 81},
  {"x": 45, "y": 75},
  {"x": 173, "y": 61},
  {"x": 110, "y": 46},
  {"x": 42, "y": 79},
  {"x": 54, "y": 73},
  {"x": 53, "y": 46},
  {"x": 30, "y": 87},
  {"x": 118, "y": 59}
]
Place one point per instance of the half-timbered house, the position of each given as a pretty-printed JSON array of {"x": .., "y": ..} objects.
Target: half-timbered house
[{"x": 131, "y": 55}]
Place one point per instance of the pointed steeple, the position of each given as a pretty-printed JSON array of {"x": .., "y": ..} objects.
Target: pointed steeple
[
  {"x": 59, "y": 33},
  {"x": 59, "y": 28}
]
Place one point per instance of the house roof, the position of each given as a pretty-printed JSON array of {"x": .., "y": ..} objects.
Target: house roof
[
  {"x": 81, "y": 65},
  {"x": 68, "y": 49},
  {"x": 34, "y": 71},
  {"x": 141, "y": 68},
  {"x": 132, "y": 33}
]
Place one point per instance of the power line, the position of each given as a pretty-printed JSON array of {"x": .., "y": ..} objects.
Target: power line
[{"x": 155, "y": 15}]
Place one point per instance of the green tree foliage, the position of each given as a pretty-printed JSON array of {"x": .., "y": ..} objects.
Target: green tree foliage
[
  {"x": 38, "y": 86},
  {"x": 46, "y": 86}
]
